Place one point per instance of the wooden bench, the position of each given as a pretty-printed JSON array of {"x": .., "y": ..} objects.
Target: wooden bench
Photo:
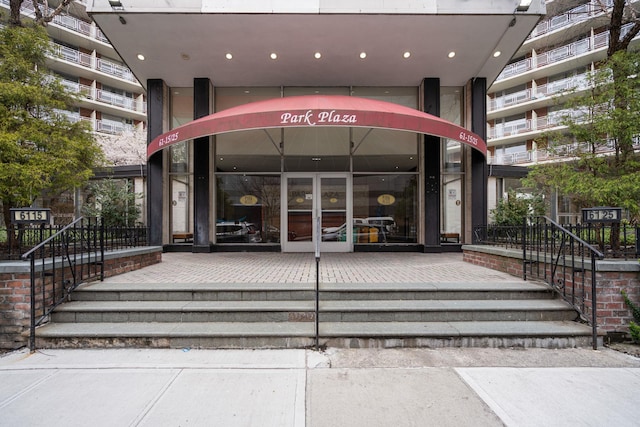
[
  {"x": 447, "y": 237},
  {"x": 185, "y": 237}
]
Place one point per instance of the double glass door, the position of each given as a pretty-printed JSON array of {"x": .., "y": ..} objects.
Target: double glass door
[{"x": 317, "y": 210}]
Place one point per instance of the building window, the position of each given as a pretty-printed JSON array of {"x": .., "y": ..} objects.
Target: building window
[
  {"x": 388, "y": 206},
  {"x": 247, "y": 209}
]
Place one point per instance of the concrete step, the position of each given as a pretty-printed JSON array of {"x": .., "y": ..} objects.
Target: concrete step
[
  {"x": 330, "y": 311},
  {"x": 445, "y": 310},
  {"x": 559, "y": 334},
  {"x": 306, "y": 291},
  {"x": 185, "y": 311},
  {"x": 282, "y": 315},
  {"x": 100, "y": 291}
]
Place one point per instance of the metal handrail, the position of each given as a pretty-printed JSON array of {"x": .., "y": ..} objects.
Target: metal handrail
[
  {"x": 559, "y": 257},
  {"x": 67, "y": 254},
  {"x": 317, "y": 302}
]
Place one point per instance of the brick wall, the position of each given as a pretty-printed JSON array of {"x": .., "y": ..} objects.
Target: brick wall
[
  {"x": 611, "y": 277},
  {"x": 15, "y": 306}
]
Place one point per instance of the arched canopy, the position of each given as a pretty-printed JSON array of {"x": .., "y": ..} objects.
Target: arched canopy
[{"x": 318, "y": 111}]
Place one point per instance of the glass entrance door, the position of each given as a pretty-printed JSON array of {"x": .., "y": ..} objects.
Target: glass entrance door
[{"x": 317, "y": 209}]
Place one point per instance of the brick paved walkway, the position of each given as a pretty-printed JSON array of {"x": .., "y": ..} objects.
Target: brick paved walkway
[{"x": 253, "y": 267}]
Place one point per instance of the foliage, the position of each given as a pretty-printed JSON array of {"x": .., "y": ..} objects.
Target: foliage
[
  {"x": 512, "y": 210},
  {"x": 43, "y": 15},
  {"x": 634, "y": 328},
  {"x": 608, "y": 117},
  {"x": 41, "y": 150},
  {"x": 113, "y": 202}
]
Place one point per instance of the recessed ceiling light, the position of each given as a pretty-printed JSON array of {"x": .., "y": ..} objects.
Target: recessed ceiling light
[
  {"x": 363, "y": 55},
  {"x": 497, "y": 53},
  {"x": 273, "y": 55},
  {"x": 317, "y": 55},
  {"x": 228, "y": 56},
  {"x": 141, "y": 57},
  {"x": 451, "y": 54},
  {"x": 406, "y": 55}
]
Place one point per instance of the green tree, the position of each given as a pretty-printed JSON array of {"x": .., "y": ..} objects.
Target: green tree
[
  {"x": 608, "y": 118},
  {"x": 41, "y": 150},
  {"x": 113, "y": 202},
  {"x": 512, "y": 210},
  {"x": 43, "y": 15},
  {"x": 603, "y": 170}
]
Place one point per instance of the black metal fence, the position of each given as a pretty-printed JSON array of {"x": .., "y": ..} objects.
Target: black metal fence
[
  {"x": 565, "y": 256},
  {"x": 620, "y": 241},
  {"x": 71, "y": 255},
  {"x": 15, "y": 242}
]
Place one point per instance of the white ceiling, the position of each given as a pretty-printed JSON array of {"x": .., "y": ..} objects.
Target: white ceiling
[{"x": 180, "y": 46}]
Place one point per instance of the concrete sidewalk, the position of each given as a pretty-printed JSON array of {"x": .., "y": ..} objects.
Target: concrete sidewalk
[{"x": 339, "y": 387}]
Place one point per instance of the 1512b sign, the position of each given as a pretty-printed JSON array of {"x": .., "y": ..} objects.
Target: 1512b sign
[
  {"x": 601, "y": 214},
  {"x": 30, "y": 216}
]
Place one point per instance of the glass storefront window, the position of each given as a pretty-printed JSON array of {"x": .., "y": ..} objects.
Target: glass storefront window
[
  {"x": 407, "y": 96},
  {"x": 180, "y": 203},
  {"x": 248, "y": 151},
  {"x": 385, "y": 208},
  {"x": 179, "y": 158},
  {"x": 227, "y": 97},
  {"x": 181, "y": 106},
  {"x": 381, "y": 150},
  {"x": 452, "y": 195},
  {"x": 247, "y": 209}
]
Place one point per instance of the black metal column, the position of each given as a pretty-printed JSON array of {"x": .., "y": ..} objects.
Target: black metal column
[
  {"x": 155, "y": 114},
  {"x": 201, "y": 194},
  {"x": 432, "y": 146},
  {"x": 478, "y": 160}
]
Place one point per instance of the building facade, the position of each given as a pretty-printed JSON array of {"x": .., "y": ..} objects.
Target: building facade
[
  {"x": 527, "y": 98},
  {"x": 316, "y": 125},
  {"x": 110, "y": 97}
]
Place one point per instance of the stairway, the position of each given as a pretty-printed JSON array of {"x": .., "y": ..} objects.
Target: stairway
[{"x": 282, "y": 315}]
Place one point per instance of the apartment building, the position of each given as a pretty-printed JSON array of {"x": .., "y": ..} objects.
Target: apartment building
[
  {"x": 275, "y": 125},
  {"x": 526, "y": 99},
  {"x": 111, "y": 99}
]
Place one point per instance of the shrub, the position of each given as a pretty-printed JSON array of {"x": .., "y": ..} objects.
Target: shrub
[{"x": 634, "y": 328}]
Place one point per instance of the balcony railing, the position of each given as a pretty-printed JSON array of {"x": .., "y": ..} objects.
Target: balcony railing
[
  {"x": 102, "y": 65},
  {"x": 67, "y": 21},
  {"x": 105, "y": 96},
  {"x": 111, "y": 127},
  {"x": 559, "y": 54},
  {"x": 573, "y": 16},
  {"x": 74, "y": 24},
  {"x": 564, "y": 151},
  {"x": 542, "y": 91}
]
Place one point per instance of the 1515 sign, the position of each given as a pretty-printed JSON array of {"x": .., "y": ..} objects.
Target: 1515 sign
[
  {"x": 30, "y": 216},
  {"x": 601, "y": 214}
]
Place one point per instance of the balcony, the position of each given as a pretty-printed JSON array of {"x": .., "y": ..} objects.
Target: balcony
[
  {"x": 562, "y": 54},
  {"x": 66, "y": 21},
  {"x": 110, "y": 127},
  {"x": 89, "y": 62},
  {"x": 530, "y": 127},
  {"x": 573, "y": 16},
  {"x": 106, "y": 97},
  {"x": 84, "y": 29},
  {"x": 562, "y": 152},
  {"x": 539, "y": 93}
]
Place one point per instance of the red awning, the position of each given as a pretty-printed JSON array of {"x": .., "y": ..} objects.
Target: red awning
[{"x": 318, "y": 111}]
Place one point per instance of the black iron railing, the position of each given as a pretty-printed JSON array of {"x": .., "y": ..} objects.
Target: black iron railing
[
  {"x": 69, "y": 257},
  {"x": 618, "y": 241},
  {"x": 558, "y": 256}
]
